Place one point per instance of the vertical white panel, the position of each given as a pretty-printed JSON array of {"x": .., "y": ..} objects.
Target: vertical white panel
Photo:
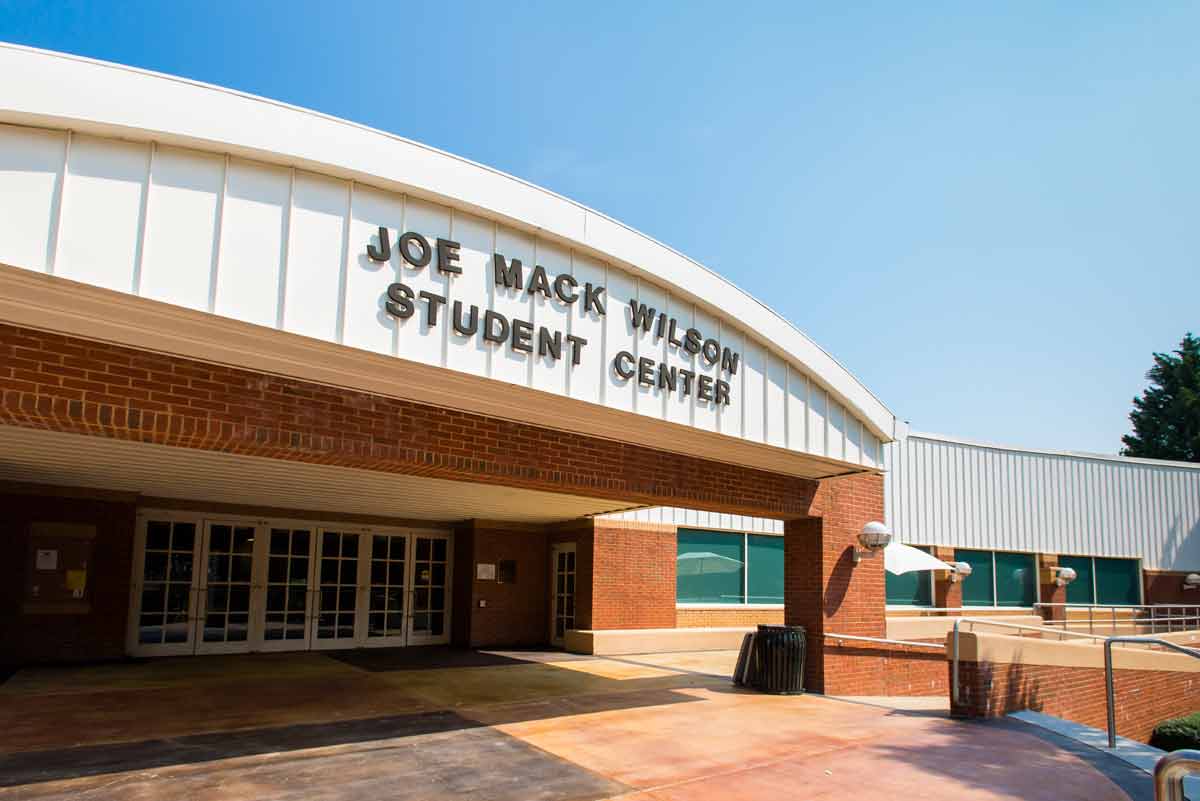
[
  {"x": 468, "y": 352},
  {"x": 102, "y": 204},
  {"x": 753, "y": 391},
  {"x": 732, "y": 416},
  {"x": 649, "y": 400},
  {"x": 817, "y": 410},
  {"x": 853, "y": 440},
  {"x": 316, "y": 243},
  {"x": 31, "y": 170},
  {"x": 797, "y": 410},
  {"x": 777, "y": 401},
  {"x": 679, "y": 403},
  {"x": 550, "y": 374},
  {"x": 253, "y": 220},
  {"x": 706, "y": 411},
  {"x": 871, "y": 455},
  {"x": 589, "y": 377},
  {"x": 181, "y": 226},
  {"x": 417, "y": 339},
  {"x": 515, "y": 304},
  {"x": 366, "y": 323},
  {"x": 836, "y": 446},
  {"x": 618, "y": 335}
]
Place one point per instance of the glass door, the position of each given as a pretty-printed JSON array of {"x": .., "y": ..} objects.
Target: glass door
[
  {"x": 388, "y": 592},
  {"x": 227, "y": 588},
  {"x": 429, "y": 609},
  {"x": 164, "y": 602},
  {"x": 336, "y": 620},
  {"x": 562, "y": 596},
  {"x": 286, "y": 601}
]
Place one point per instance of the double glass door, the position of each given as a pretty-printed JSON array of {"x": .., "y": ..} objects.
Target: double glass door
[{"x": 225, "y": 585}]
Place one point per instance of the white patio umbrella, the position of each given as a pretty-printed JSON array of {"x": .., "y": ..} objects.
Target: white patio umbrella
[
  {"x": 899, "y": 558},
  {"x": 704, "y": 562}
]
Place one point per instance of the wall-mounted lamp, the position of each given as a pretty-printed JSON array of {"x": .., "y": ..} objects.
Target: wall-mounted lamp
[
  {"x": 1064, "y": 575},
  {"x": 1192, "y": 582},
  {"x": 959, "y": 571},
  {"x": 874, "y": 537}
]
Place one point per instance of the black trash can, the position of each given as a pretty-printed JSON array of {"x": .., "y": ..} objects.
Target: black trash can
[{"x": 777, "y": 662}]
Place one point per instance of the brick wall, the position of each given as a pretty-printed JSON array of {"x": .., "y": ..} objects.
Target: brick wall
[
  {"x": 824, "y": 590},
  {"x": 947, "y": 594},
  {"x": 64, "y": 383},
  {"x": 691, "y": 618},
  {"x": 633, "y": 579},
  {"x": 1144, "y": 698},
  {"x": 96, "y": 635},
  {"x": 884, "y": 669},
  {"x": 516, "y": 613},
  {"x": 1163, "y": 587}
]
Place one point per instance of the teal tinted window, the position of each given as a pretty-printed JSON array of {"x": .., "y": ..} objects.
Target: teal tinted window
[
  {"x": 1117, "y": 581},
  {"x": 977, "y": 587},
  {"x": 1081, "y": 590},
  {"x": 709, "y": 567},
  {"x": 1016, "y": 579},
  {"x": 910, "y": 589},
  {"x": 764, "y": 579}
]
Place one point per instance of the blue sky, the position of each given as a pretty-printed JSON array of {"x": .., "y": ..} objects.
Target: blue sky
[{"x": 989, "y": 212}]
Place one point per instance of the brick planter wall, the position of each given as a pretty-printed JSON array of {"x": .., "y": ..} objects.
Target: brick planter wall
[
  {"x": 858, "y": 668},
  {"x": 1144, "y": 698}
]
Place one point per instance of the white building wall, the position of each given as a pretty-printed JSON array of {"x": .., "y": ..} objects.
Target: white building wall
[
  {"x": 941, "y": 491},
  {"x": 286, "y": 248}
]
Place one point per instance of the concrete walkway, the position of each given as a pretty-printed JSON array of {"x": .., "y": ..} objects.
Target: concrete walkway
[{"x": 499, "y": 726}]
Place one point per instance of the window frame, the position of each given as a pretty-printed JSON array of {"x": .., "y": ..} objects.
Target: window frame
[
  {"x": 1037, "y": 584},
  {"x": 745, "y": 545}
]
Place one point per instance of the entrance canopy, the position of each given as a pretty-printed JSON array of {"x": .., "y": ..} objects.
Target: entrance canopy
[{"x": 161, "y": 471}]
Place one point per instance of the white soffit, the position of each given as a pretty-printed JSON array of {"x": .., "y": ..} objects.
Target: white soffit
[{"x": 76, "y": 460}]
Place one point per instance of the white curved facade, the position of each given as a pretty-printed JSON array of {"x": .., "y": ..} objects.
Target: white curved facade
[{"x": 253, "y": 211}]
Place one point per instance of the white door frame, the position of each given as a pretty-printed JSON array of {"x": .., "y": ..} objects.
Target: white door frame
[
  {"x": 133, "y": 646},
  {"x": 411, "y": 637},
  {"x": 254, "y": 608},
  {"x": 556, "y": 549},
  {"x": 263, "y": 565}
]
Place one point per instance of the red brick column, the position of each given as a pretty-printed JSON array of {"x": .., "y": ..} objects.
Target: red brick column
[
  {"x": 824, "y": 590},
  {"x": 1051, "y": 593},
  {"x": 946, "y": 593}
]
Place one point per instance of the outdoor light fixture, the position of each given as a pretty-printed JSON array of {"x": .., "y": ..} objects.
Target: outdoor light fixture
[
  {"x": 960, "y": 571},
  {"x": 874, "y": 538},
  {"x": 1064, "y": 575},
  {"x": 1192, "y": 582}
]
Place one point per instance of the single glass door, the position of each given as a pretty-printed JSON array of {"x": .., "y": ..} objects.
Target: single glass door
[
  {"x": 429, "y": 610},
  {"x": 388, "y": 592},
  {"x": 227, "y": 588},
  {"x": 164, "y": 603},
  {"x": 562, "y": 585},
  {"x": 285, "y": 605},
  {"x": 336, "y": 620}
]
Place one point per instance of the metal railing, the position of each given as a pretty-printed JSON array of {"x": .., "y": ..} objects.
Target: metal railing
[
  {"x": 1170, "y": 772},
  {"x": 1157, "y": 618},
  {"x": 1108, "y": 674},
  {"x": 914, "y": 643}
]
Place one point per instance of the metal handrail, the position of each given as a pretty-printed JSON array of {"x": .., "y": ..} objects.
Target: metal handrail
[
  {"x": 1190, "y": 613},
  {"x": 1108, "y": 674},
  {"x": 914, "y": 643},
  {"x": 1170, "y": 771}
]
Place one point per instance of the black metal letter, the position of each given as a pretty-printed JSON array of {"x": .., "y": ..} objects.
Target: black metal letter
[
  {"x": 522, "y": 336},
  {"x": 641, "y": 314},
  {"x": 448, "y": 256},
  {"x": 433, "y": 302},
  {"x": 646, "y": 371},
  {"x": 507, "y": 274},
  {"x": 384, "y": 251},
  {"x": 400, "y": 301},
  {"x": 623, "y": 364},
  {"x": 490, "y": 317},
  {"x": 405, "y": 243},
  {"x": 547, "y": 344},
  {"x": 564, "y": 280},
  {"x": 577, "y": 344},
  {"x": 591, "y": 297},
  {"x": 722, "y": 392},
  {"x": 704, "y": 386},
  {"x": 712, "y": 351},
  {"x": 469, "y": 328}
]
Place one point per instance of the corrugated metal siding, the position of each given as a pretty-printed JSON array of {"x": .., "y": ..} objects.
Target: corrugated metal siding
[
  {"x": 693, "y": 518},
  {"x": 942, "y": 492}
]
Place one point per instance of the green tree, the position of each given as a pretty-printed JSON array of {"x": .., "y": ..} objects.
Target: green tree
[{"x": 1166, "y": 419}]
